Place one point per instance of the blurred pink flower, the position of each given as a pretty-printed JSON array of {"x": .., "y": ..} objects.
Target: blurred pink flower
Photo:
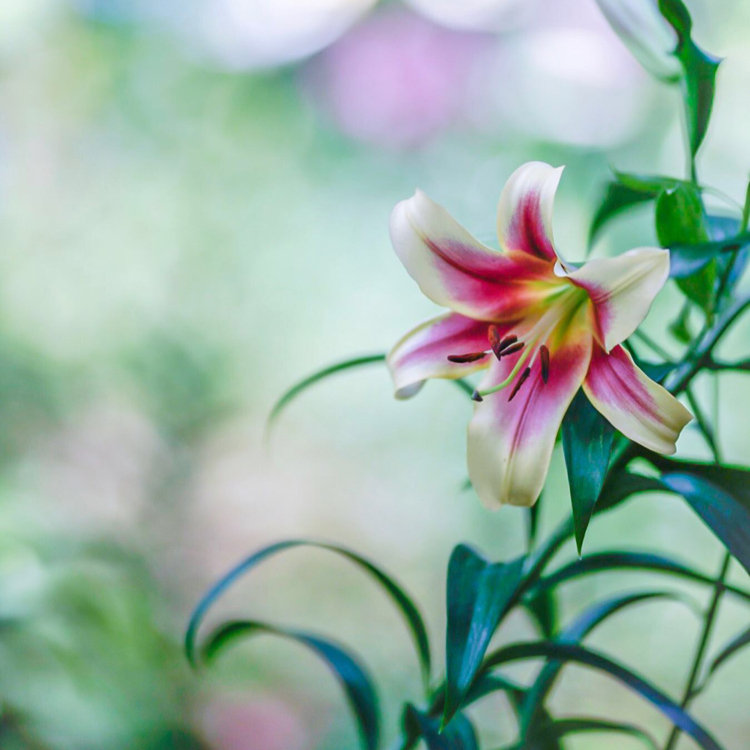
[{"x": 396, "y": 79}]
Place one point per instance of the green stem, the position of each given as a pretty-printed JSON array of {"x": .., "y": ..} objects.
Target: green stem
[{"x": 708, "y": 625}]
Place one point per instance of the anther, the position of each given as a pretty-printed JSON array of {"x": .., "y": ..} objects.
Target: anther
[
  {"x": 512, "y": 348},
  {"x": 476, "y": 396},
  {"x": 544, "y": 359},
  {"x": 506, "y": 342},
  {"x": 495, "y": 342},
  {"x": 471, "y": 357},
  {"x": 525, "y": 374}
]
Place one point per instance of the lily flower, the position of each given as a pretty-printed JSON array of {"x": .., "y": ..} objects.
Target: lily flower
[{"x": 541, "y": 327}]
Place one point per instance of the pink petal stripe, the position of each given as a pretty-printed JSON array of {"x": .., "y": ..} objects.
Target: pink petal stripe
[
  {"x": 423, "y": 352},
  {"x": 637, "y": 406}
]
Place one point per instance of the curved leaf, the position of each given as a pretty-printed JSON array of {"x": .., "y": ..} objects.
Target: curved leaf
[
  {"x": 458, "y": 735},
  {"x": 575, "y": 653},
  {"x": 728, "y": 518},
  {"x": 587, "y": 445},
  {"x": 687, "y": 259},
  {"x": 578, "y": 629},
  {"x": 736, "y": 644},
  {"x": 625, "y": 560},
  {"x": 290, "y": 394},
  {"x": 564, "y": 727},
  {"x": 354, "y": 679},
  {"x": 393, "y": 590},
  {"x": 478, "y": 595}
]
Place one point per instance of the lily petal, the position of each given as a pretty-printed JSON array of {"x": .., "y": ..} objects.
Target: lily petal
[
  {"x": 457, "y": 271},
  {"x": 622, "y": 290},
  {"x": 423, "y": 352},
  {"x": 524, "y": 213},
  {"x": 511, "y": 442},
  {"x": 638, "y": 407}
]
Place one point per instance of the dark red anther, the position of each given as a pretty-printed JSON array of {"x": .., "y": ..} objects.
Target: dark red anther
[
  {"x": 506, "y": 342},
  {"x": 471, "y": 357},
  {"x": 512, "y": 349},
  {"x": 494, "y": 336},
  {"x": 544, "y": 358},
  {"x": 517, "y": 387},
  {"x": 476, "y": 396}
]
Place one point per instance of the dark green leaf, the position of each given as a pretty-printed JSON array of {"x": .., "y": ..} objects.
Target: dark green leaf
[
  {"x": 587, "y": 444},
  {"x": 395, "y": 592},
  {"x": 576, "y": 631},
  {"x": 680, "y": 220},
  {"x": 563, "y": 727},
  {"x": 735, "y": 645},
  {"x": 575, "y": 653},
  {"x": 288, "y": 396},
  {"x": 699, "y": 68},
  {"x": 354, "y": 679},
  {"x": 617, "y": 198},
  {"x": 478, "y": 595},
  {"x": 458, "y": 735},
  {"x": 685, "y": 260},
  {"x": 724, "y": 513},
  {"x": 543, "y": 609},
  {"x": 623, "y": 560}
]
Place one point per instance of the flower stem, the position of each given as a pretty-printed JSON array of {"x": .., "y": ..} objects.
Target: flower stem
[{"x": 708, "y": 624}]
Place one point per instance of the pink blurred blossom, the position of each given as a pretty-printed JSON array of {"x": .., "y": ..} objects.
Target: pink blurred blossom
[{"x": 396, "y": 79}]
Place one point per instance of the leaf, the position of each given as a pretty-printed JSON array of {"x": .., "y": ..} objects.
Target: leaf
[
  {"x": 575, "y": 653},
  {"x": 576, "y": 631},
  {"x": 726, "y": 515},
  {"x": 737, "y": 643},
  {"x": 617, "y": 198},
  {"x": 685, "y": 260},
  {"x": 458, "y": 735},
  {"x": 699, "y": 79},
  {"x": 626, "y": 560},
  {"x": 587, "y": 444},
  {"x": 354, "y": 679},
  {"x": 563, "y": 727},
  {"x": 289, "y": 395},
  {"x": 402, "y": 601},
  {"x": 680, "y": 221},
  {"x": 478, "y": 595}
]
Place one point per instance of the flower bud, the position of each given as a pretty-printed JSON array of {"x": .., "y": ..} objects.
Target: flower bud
[{"x": 646, "y": 33}]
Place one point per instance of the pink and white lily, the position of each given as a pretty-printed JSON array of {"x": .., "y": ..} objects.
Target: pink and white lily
[{"x": 539, "y": 326}]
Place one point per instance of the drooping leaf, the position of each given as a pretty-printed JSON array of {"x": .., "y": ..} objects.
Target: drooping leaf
[
  {"x": 575, "y": 632},
  {"x": 354, "y": 679},
  {"x": 680, "y": 220},
  {"x": 478, "y": 595},
  {"x": 686, "y": 260},
  {"x": 617, "y": 198},
  {"x": 626, "y": 560},
  {"x": 459, "y": 734},
  {"x": 587, "y": 445},
  {"x": 564, "y": 727},
  {"x": 699, "y": 72},
  {"x": 724, "y": 513},
  {"x": 542, "y": 607},
  {"x": 572, "y": 652},
  {"x": 399, "y": 597},
  {"x": 290, "y": 394},
  {"x": 736, "y": 644}
]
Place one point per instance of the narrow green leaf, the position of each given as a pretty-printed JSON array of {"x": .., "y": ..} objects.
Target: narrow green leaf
[
  {"x": 686, "y": 260},
  {"x": 617, "y": 198},
  {"x": 680, "y": 220},
  {"x": 478, "y": 595},
  {"x": 354, "y": 679},
  {"x": 724, "y": 513},
  {"x": 576, "y": 631},
  {"x": 564, "y": 727},
  {"x": 587, "y": 445},
  {"x": 289, "y": 395},
  {"x": 575, "y": 653},
  {"x": 458, "y": 735},
  {"x": 699, "y": 68},
  {"x": 399, "y": 597},
  {"x": 626, "y": 560},
  {"x": 736, "y": 644}
]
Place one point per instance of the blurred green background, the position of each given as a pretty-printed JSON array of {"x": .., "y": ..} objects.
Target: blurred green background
[{"x": 194, "y": 202}]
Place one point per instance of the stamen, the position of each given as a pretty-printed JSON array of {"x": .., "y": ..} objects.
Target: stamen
[
  {"x": 544, "y": 359},
  {"x": 507, "y": 341},
  {"x": 471, "y": 357},
  {"x": 517, "y": 387},
  {"x": 494, "y": 336},
  {"x": 512, "y": 348},
  {"x": 476, "y": 396}
]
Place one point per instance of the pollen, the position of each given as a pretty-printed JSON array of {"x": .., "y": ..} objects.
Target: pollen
[{"x": 471, "y": 357}]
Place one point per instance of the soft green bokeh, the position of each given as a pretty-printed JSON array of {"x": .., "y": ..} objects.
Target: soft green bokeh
[{"x": 179, "y": 244}]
